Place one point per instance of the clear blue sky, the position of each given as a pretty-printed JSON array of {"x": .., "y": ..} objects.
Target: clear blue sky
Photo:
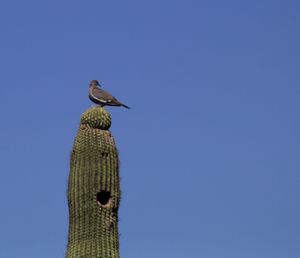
[{"x": 210, "y": 149}]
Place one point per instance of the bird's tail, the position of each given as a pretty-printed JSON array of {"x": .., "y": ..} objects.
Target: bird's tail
[{"x": 125, "y": 106}]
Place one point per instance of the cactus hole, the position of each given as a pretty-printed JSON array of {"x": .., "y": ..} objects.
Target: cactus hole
[
  {"x": 104, "y": 154},
  {"x": 104, "y": 198}
]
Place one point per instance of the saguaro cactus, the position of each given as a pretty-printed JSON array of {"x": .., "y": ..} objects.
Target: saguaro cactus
[{"x": 94, "y": 189}]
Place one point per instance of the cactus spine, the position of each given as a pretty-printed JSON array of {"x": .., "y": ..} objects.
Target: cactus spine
[{"x": 94, "y": 189}]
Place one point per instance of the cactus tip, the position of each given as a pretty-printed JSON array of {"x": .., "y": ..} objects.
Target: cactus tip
[{"x": 96, "y": 117}]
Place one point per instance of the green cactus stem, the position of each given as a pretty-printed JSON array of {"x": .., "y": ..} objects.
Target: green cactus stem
[{"x": 94, "y": 189}]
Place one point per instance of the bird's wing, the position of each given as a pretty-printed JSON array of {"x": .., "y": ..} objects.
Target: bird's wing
[{"x": 102, "y": 95}]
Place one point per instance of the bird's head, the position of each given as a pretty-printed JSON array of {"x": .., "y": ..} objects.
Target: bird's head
[{"x": 95, "y": 83}]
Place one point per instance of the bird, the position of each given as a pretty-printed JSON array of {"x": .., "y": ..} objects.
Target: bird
[{"x": 101, "y": 97}]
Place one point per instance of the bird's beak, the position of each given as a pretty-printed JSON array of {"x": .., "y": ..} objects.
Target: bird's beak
[{"x": 99, "y": 84}]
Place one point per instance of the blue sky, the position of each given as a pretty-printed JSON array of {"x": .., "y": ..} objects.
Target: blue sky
[{"x": 210, "y": 149}]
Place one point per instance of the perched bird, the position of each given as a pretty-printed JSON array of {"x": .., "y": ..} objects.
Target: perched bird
[{"x": 101, "y": 97}]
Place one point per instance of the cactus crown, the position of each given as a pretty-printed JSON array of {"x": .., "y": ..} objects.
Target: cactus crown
[{"x": 96, "y": 117}]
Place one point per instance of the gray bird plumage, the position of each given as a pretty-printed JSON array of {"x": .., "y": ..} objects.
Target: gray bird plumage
[{"x": 101, "y": 97}]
